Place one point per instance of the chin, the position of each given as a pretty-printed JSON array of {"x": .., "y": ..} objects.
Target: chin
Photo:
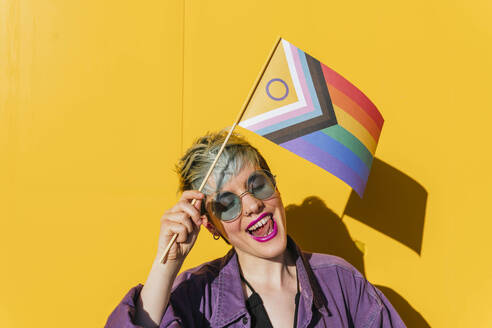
[
  {"x": 271, "y": 249},
  {"x": 275, "y": 249}
]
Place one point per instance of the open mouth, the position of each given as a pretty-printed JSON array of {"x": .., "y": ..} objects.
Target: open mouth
[{"x": 264, "y": 228}]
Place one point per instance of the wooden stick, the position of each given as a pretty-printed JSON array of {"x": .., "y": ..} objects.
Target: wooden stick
[{"x": 241, "y": 113}]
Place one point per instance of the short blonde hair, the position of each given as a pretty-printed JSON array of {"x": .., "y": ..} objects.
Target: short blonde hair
[{"x": 196, "y": 161}]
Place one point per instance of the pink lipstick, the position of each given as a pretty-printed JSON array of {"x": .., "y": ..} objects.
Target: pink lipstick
[{"x": 264, "y": 228}]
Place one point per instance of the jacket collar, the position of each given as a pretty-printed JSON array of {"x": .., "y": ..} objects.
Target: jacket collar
[{"x": 228, "y": 292}]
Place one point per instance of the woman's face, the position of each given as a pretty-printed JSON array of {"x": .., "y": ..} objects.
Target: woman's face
[{"x": 260, "y": 229}]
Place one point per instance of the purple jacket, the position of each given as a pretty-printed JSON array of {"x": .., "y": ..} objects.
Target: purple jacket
[{"x": 333, "y": 294}]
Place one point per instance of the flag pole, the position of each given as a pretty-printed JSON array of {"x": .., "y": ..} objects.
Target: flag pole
[{"x": 238, "y": 119}]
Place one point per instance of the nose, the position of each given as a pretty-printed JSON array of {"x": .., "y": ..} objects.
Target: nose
[{"x": 251, "y": 204}]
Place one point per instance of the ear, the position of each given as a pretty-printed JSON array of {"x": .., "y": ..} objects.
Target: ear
[{"x": 207, "y": 224}]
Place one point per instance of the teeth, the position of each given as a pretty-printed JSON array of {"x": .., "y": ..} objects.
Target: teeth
[{"x": 260, "y": 223}]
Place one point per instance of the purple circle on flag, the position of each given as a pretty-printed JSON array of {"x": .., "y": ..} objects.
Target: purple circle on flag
[{"x": 277, "y": 80}]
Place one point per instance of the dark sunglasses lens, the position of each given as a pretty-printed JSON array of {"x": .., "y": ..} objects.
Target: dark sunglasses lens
[
  {"x": 261, "y": 184},
  {"x": 226, "y": 206}
]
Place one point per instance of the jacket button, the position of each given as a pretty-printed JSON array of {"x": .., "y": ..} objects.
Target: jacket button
[{"x": 245, "y": 320}]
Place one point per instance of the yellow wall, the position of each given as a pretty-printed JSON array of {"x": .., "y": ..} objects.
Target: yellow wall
[{"x": 95, "y": 108}]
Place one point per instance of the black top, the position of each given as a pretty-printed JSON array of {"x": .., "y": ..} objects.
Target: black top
[{"x": 259, "y": 316}]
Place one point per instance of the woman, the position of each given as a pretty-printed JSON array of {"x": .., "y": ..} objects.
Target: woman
[{"x": 264, "y": 280}]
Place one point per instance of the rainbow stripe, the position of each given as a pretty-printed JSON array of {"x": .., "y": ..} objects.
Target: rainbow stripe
[{"x": 317, "y": 114}]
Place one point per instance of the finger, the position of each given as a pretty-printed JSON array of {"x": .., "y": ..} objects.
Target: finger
[
  {"x": 176, "y": 228},
  {"x": 191, "y": 210},
  {"x": 191, "y": 194},
  {"x": 182, "y": 218},
  {"x": 198, "y": 207},
  {"x": 188, "y": 196}
]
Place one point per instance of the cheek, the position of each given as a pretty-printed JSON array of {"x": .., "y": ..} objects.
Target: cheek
[
  {"x": 275, "y": 202},
  {"x": 279, "y": 207},
  {"x": 226, "y": 229},
  {"x": 232, "y": 228}
]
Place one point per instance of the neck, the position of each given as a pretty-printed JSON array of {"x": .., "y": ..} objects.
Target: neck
[{"x": 272, "y": 272}]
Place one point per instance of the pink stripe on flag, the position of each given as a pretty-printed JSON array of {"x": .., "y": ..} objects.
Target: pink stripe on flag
[
  {"x": 355, "y": 94},
  {"x": 294, "y": 113}
]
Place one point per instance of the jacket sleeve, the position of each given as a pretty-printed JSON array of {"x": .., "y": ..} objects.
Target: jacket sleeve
[
  {"x": 374, "y": 310},
  {"x": 123, "y": 316}
]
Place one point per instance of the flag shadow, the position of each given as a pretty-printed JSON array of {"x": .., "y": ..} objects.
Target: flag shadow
[
  {"x": 332, "y": 237},
  {"x": 393, "y": 204}
]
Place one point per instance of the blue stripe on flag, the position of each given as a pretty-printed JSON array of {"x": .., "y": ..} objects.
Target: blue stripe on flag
[{"x": 338, "y": 150}]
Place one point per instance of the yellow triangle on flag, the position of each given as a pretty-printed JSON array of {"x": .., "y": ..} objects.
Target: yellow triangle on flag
[{"x": 275, "y": 88}]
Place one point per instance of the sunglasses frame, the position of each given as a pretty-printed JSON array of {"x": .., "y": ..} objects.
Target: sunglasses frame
[{"x": 208, "y": 208}]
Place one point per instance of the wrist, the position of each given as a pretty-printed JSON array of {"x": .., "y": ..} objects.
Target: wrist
[{"x": 169, "y": 267}]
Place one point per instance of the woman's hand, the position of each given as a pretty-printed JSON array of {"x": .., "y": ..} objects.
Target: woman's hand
[{"x": 184, "y": 220}]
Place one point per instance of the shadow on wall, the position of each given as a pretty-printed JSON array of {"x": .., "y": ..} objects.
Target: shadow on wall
[
  {"x": 338, "y": 242},
  {"x": 393, "y": 204}
]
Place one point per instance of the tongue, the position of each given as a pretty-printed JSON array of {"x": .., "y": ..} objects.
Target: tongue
[{"x": 260, "y": 232}]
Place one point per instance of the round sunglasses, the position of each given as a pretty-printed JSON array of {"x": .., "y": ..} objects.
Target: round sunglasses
[{"x": 227, "y": 206}]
